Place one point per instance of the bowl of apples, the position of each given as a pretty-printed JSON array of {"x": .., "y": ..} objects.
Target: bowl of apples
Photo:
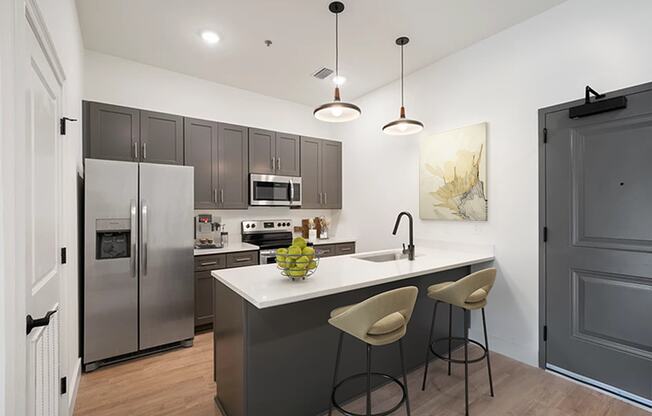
[{"x": 297, "y": 261}]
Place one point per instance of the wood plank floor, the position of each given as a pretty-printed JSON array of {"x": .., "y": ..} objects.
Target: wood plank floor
[{"x": 180, "y": 382}]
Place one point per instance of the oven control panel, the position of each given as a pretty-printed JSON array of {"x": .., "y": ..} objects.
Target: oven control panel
[{"x": 266, "y": 226}]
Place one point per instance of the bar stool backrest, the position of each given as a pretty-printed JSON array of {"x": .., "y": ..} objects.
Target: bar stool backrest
[
  {"x": 358, "y": 320},
  {"x": 457, "y": 293}
]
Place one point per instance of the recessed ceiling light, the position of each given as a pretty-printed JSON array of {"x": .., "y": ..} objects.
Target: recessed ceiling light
[
  {"x": 210, "y": 37},
  {"x": 339, "y": 79}
]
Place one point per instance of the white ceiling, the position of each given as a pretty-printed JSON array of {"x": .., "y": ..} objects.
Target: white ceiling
[{"x": 165, "y": 33}]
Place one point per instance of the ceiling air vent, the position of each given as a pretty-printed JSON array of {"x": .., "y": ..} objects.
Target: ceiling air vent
[{"x": 322, "y": 73}]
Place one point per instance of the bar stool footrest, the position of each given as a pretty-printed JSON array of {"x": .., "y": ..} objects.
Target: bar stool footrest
[
  {"x": 452, "y": 360},
  {"x": 360, "y": 375}
]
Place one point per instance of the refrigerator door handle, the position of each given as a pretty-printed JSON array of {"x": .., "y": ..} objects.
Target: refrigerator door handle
[
  {"x": 134, "y": 239},
  {"x": 143, "y": 235}
]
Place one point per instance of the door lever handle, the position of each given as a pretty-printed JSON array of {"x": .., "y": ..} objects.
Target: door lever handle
[{"x": 35, "y": 323}]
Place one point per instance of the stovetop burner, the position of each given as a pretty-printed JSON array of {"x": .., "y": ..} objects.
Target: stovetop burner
[{"x": 267, "y": 234}]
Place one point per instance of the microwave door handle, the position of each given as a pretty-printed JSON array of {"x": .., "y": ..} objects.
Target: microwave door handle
[
  {"x": 134, "y": 238},
  {"x": 291, "y": 191}
]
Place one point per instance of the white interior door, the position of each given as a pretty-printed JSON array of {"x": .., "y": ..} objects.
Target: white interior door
[{"x": 42, "y": 221}]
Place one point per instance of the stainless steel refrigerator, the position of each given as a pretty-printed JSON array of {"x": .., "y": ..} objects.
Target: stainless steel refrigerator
[{"x": 138, "y": 281}]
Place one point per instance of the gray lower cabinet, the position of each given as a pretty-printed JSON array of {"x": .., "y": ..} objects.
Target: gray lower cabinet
[
  {"x": 112, "y": 132},
  {"x": 321, "y": 173},
  {"x": 219, "y": 154},
  {"x": 161, "y": 138},
  {"x": 129, "y": 134},
  {"x": 204, "y": 281},
  {"x": 274, "y": 153}
]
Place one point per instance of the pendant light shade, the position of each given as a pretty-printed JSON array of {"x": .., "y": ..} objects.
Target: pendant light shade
[
  {"x": 337, "y": 111},
  {"x": 402, "y": 126}
]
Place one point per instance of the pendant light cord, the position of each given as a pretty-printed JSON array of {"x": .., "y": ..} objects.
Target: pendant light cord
[
  {"x": 402, "y": 94},
  {"x": 337, "y": 52}
]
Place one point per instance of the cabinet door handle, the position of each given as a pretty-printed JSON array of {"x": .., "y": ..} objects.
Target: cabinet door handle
[
  {"x": 144, "y": 151},
  {"x": 208, "y": 263},
  {"x": 222, "y": 195},
  {"x": 241, "y": 259},
  {"x": 135, "y": 151},
  {"x": 345, "y": 249},
  {"x": 278, "y": 163},
  {"x": 215, "y": 195},
  {"x": 325, "y": 198},
  {"x": 321, "y": 199},
  {"x": 273, "y": 163}
]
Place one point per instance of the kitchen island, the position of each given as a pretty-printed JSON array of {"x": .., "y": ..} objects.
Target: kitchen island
[{"x": 274, "y": 349}]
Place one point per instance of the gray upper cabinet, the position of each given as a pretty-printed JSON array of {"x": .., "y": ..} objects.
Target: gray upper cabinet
[
  {"x": 274, "y": 153},
  {"x": 331, "y": 174},
  {"x": 311, "y": 173},
  {"x": 161, "y": 138},
  {"x": 113, "y": 132},
  {"x": 262, "y": 151},
  {"x": 233, "y": 168},
  {"x": 219, "y": 154},
  {"x": 201, "y": 152},
  {"x": 288, "y": 157},
  {"x": 321, "y": 173},
  {"x": 129, "y": 134}
]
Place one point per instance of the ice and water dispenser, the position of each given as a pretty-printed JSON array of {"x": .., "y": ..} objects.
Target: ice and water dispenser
[{"x": 113, "y": 237}]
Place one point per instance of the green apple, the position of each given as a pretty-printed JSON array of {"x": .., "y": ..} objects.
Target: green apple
[
  {"x": 302, "y": 262},
  {"x": 309, "y": 251},
  {"x": 299, "y": 242},
  {"x": 294, "y": 250}
]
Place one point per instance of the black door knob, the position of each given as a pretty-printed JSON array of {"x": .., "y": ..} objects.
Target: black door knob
[{"x": 35, "y": 323}]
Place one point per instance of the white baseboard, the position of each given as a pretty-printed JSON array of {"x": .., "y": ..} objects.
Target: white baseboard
[{"x": 73, "y": 387}]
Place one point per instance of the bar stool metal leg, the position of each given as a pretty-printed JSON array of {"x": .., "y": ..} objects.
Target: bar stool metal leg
[
  {"x": 405, "y": 384},
  {"x": 466, "y": 361},
  {"x": 432, "y": 327},
  {"x": 337, "y": 366},
  {"x": 368, "y": 379},
  {"x": 450, "y": 330},
  {"x": 486, "y": 345}
]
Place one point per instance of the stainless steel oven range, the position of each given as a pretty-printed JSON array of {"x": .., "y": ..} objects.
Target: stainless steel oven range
[{"x": 268, "y": 235}]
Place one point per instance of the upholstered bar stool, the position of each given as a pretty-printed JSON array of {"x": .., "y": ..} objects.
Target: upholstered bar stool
[
  {"x": 379, "y": 320},
  {"x": 468, "y": 293}
]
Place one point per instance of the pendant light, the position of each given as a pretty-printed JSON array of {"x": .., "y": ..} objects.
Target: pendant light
[
  {"x": 402, "y": 126},
  {"x": 337, "y": 111}
]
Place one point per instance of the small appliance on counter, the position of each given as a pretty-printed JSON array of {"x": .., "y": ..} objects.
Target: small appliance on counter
[{"x": 208, "y": 233}]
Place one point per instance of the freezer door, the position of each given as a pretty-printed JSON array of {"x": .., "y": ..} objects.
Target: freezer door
[
  {"x": 166, "y": 266},
  {"x": 110, "y": 301}
]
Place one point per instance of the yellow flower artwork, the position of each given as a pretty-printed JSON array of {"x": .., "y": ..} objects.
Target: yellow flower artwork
[{"x": 453, "y": 175}]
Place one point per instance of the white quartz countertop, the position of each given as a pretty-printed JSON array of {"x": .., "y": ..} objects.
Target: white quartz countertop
[
  {"x": 334, "y": 240},
  {"x": 263, "y": 286},
  {"x": 231, "y": 248}
]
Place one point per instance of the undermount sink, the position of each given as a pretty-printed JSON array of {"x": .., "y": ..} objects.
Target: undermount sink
[{"x": 381, "y": 258}]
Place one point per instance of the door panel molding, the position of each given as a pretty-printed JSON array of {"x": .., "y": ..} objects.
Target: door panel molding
[{"x": 589, "y": 282}]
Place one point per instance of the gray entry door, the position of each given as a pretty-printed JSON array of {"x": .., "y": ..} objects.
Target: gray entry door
[
  {"x": 599, "y": 250},
  {"x": 167, "y": 287}
]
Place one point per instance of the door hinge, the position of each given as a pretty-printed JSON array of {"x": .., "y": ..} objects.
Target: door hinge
[
  {"x": 62, "y": 124},
  {"x": 545, "y": 332},
  {"x": 545, "y": 135},
  {"x": 64, "y": 385},
  {"x": 545, "y": 234},
  {"x": 64, "y": 257}
]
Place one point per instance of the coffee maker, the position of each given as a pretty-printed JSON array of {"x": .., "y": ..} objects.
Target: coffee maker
[{"x": 207, "y": 232}]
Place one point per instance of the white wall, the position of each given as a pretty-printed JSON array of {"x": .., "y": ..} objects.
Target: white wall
[
  {"x": 119, "y": 81},
  {"x": 503, "y": 80}
]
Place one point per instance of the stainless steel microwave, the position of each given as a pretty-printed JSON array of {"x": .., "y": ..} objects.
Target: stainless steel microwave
[{"x": 273, "y": 190}]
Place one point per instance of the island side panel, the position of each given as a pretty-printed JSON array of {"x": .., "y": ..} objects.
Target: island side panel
[
  {"x": 229, "y": 344},
  {"x": 290, "y": 350}
]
